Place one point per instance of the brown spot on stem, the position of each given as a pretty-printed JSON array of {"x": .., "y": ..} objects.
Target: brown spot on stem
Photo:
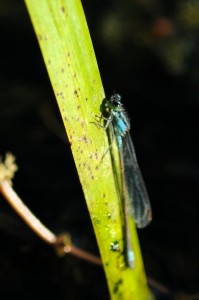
[
  {"x": 40, "y": 37},
  {"x": 76, "y": 93},
  {"x": 117, "y": 286},
  {"x": 63, "y": 9}
]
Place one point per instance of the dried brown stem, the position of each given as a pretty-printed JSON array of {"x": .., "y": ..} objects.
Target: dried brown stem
[
  {"x": 62, "y": 243},
  {"x": 24, "y": 212}
]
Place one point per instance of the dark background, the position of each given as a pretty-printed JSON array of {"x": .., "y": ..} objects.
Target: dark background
[{"x": 147, "y": 50}]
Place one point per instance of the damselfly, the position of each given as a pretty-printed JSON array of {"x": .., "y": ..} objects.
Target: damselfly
[{"x": 134, "y": 194}]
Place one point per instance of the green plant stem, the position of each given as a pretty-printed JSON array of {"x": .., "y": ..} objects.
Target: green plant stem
[{"x": 66, "y": 46}]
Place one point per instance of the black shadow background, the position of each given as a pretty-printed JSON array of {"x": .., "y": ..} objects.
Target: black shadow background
[{"x": 148, "y": 52}]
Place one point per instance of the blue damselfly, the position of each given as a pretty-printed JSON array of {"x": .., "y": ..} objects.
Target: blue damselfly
[{"x": 134, "y": 194}]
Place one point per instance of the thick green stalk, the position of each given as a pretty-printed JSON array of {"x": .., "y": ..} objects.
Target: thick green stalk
[{"x": 66, "y": 46}]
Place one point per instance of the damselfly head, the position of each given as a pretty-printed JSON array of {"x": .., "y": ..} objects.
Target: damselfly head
[{"x": 115, "y": 100}]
